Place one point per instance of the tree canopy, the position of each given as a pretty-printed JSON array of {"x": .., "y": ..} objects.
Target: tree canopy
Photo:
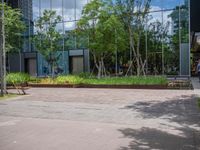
[
  {"x": 105, "y": 31},
  {"x": 14, "y": 28},
  {"x": 47, "y": 39}
]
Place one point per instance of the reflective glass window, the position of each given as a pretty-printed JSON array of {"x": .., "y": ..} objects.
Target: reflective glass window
[
  {"x": 45, "y": 5},
  {"x": 36, "y": 8},
  {"x": 57, "y": 6},
  {"x": 69, "y": 10},
  {"x": 155, "y": 5},
  {"x": 59, "y": 27},
  {"x": 154, "y": 42},
  {"x": 79, "y": 7},
  {"x": 171, "y": 44},
  {"x": 69, "y": 35}
]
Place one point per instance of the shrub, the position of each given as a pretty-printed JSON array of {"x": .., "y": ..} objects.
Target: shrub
[
  {"x": 86, "y": 75},
  {"x": 17, "y": 78},
  {"x": 69, "y": 79},
  {"x": 34, "y": 80},
  {"x": 47, "y": 80},
  {"x": 132, "y": 80}
]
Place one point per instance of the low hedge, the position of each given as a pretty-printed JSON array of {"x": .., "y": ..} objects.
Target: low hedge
[
  {"x": 23, "y": 78},
  {"x": 133, "y": 80},
  {"x": 70, "y": 79},
  {"x": 17, "y": 78}
]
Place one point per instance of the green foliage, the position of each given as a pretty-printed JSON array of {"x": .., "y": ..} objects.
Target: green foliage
[
  {"x": 47, "y": 80},
  {"x": 133, "y": 80},
  {"x": 105, "y": 30},
  {"x": 14, "y": 28},
  {"x": 70, "y": 79},
  {"x": 34, "y": 80},
  {"x": 128, "y": 81},
  {"x": 86, "y": 75},
  {"x": 47, "y": 39},
  {"x": 17, "y": 78},
  {"x": 134, "y": 14},
  {"x": 104, "y": 27}
]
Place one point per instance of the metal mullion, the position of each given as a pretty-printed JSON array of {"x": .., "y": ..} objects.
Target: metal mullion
[
  {"x": 189, "y": 36},
  {"x": 63, "y": 33},
  {"x": 179, "y": 18},
  {"x": 163, "y": 65}
]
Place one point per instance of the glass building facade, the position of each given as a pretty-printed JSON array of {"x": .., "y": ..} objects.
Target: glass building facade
[
  {"x": 70, "y": 12},
  {"x": 69, "y": 62},
  {"x": 166, "y": 41},
  {"x": 167, "y": 48}
]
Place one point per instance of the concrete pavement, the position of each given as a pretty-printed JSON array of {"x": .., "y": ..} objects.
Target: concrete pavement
[{"x": 100, "y": 119}]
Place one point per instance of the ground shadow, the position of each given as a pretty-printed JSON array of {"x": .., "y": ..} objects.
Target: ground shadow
[
  {"x": 181, "y": 110},
  {"x": 148, "y": 139}
]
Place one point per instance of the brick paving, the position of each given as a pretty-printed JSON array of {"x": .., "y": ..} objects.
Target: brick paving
[{"x": 133, "y": 119}]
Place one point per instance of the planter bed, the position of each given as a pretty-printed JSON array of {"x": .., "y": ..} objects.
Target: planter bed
[
  {"x": 180, "y": 84},
  {"x": 185, "y": 85}
]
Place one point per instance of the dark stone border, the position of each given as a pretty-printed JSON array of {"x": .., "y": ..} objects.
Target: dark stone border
[{"x": 162, "y": 87}]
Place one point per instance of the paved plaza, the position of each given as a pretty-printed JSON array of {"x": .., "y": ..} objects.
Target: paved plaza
[{"x": 101, "y": 119}]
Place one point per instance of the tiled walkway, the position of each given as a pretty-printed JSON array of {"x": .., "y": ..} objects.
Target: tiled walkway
[
  {"x": 196, "y": 86},
  {"x": 101, "y": 119}
]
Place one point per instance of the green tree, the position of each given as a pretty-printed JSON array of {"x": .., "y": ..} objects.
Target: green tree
[
  {"x": 14, "y": 28},
  {"x": 47, "y": 39},
  {"x": 134, "y": 14},
  {"x": 105, "y": 31}
]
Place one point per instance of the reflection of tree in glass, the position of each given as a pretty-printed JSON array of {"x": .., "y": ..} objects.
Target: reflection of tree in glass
[
  {"x": 158, "y": 40},
  {"x": 14, "y": 28},
  {"x": 134, "y": 14},
  {"x": 47, "y": 39}
]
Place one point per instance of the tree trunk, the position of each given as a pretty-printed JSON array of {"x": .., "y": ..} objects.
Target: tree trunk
[
  {"x": 100, "y": 66},
  {"x": 136, "y": 55},
  {"x": 52, "y": 69},
  {"x": 99, "y": 70}
]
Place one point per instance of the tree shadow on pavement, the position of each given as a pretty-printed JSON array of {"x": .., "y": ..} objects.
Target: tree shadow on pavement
[
  {"x": 182, "y": 111},
  {"x": 149, "y": 139}
]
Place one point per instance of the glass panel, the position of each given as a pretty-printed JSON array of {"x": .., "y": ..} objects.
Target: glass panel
[
  {"x": 154, "y": 43},
  {"x": 82, "y": 41},
  {"x": 45, "y": 5},
  {"x": 69, "y": 35},
  {"x": 59, "y": 28},
  {"x": 171, "y": 44},
  {"x": 57, "y": 6},
  {"x": 184, "y": 23},
  {"x": 35, "y": 9},
  {"x": 36, "y": 12},
  {"x": 79, "y": 7},
  {"x": 155, "y": 5},
  {"x": 62, "y": 66},
  {"x": 25, "y": 44},
  {"x": 170, "y": 4},
  {"x": 69, "y": 10},
  {"x": 31, "y": 33}
]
